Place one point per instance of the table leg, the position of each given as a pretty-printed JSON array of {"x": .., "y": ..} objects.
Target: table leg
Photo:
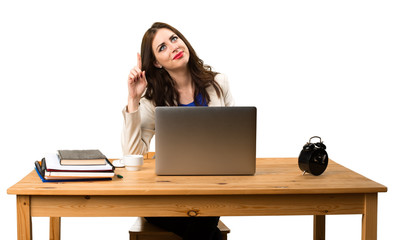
[
  {"x": 369, "y": 221},
  {"x": 23, "y": 213},
  {"x": 319, "y": 227},
  {"x": 54, "y": 230}
]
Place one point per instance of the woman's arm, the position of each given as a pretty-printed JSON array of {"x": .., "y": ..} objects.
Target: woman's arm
[
  {"x": 136, "y": 85},
  {"x": 226, "y": 98},
  {"x": 138, "y": 128}
]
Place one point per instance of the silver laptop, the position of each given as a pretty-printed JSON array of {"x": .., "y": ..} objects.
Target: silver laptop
[{"x": 205, "y": 140}]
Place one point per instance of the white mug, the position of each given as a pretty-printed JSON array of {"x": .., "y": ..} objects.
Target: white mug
[{"x": 133, "y": 162}]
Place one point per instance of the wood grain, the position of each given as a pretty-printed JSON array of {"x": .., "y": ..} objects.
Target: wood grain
[
  {"x": 273, "y": 176},
  {"x": 278, "y": 188},
  {"x": 211, "y": 205},
  {"x": 319, "y": 227},
  {"x": 54, "y": 228},
  {"x": 24, "y": 218},
  {"x": 369, "y": 219}
]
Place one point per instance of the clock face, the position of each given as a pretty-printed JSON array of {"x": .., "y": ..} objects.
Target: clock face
[
  {"x": 318, "y": 162},
  {"x": 320, "y": 158}
]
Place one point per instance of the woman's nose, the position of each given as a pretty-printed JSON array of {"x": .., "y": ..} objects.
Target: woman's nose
[{"x": 173, "y": 47}]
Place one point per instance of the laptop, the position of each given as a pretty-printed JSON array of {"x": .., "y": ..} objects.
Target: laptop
[{"x": 205, "y": 140}]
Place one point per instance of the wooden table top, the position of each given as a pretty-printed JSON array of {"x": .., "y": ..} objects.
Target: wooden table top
[{"x": 273, "y": 176}]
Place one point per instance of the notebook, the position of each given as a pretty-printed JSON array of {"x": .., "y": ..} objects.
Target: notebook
[{"x": 205, "y": 140}]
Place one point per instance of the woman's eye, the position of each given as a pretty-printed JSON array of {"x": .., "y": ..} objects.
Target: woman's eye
[{"x": 162, "y": 48}]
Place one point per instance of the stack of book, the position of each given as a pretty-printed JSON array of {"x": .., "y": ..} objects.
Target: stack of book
[{"x": 75, "y": 165}]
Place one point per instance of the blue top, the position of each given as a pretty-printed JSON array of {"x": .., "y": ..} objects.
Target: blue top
[{"x": 202, "y": 102}]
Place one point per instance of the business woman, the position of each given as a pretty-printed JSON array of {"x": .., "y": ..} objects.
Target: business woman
[{"x": 169, "y": 73}]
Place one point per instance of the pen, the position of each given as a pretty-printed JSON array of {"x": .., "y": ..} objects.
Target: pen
[{"x": 119, "y": 176}]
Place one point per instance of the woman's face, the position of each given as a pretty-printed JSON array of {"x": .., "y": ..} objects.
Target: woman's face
[{"x": 170, "y": 51}]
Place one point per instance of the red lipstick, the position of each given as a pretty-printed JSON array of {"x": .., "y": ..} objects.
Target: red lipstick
[{"x": 177, "y": 56}]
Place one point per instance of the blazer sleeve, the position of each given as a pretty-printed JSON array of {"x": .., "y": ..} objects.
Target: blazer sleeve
[
  {"x": 222, "y": 80},
  {"x": 138, "y": 128}
]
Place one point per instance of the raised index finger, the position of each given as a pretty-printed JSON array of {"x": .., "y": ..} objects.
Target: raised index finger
[{"x": 139, "y": 64}]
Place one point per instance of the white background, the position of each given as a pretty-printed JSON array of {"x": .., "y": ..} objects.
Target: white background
[{"x": 311, "y": 68}]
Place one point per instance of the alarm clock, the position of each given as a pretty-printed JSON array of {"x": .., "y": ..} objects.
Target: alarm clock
[{"x": 313, "y": 158}]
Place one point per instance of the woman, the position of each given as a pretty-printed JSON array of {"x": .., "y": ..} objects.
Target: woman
[{"x": 169, "y": 73}]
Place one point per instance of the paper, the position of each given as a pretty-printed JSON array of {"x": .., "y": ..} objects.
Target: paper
[{"x": 53, "y": 163}]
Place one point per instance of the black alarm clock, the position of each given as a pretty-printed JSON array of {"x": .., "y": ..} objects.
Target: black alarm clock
[{"x": 313, "y": 158}]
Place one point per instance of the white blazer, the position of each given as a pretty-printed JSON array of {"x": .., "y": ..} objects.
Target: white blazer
[{"x": 139, "y": 126}]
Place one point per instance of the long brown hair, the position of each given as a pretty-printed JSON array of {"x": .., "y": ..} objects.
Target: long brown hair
[{"x": 160, "y": 86}]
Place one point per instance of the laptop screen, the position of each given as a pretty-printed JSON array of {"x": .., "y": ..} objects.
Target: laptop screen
[{"x": 205, "y": 140}]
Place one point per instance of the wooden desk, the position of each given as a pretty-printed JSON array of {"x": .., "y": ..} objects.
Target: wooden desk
[{"x": 278, "y": 188}]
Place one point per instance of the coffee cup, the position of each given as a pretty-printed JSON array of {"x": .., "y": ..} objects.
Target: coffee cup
[{"x": 133, "y": 162}]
